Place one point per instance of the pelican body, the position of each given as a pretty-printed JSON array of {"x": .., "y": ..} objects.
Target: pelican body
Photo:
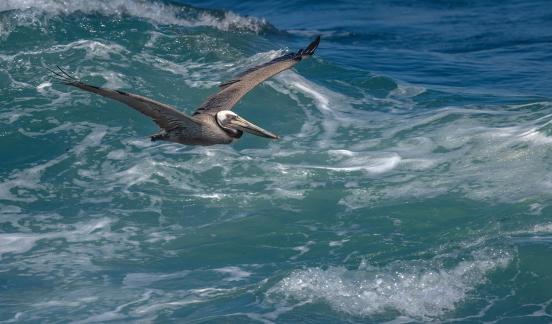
[{"x": 213, "y": 122}]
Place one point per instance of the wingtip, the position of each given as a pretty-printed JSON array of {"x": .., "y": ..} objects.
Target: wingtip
[
  {"x": 61, "y": 76},
  {"x": 312, "y": 46}
]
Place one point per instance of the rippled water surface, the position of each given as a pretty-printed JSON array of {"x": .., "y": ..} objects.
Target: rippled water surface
[{"x": 412, "y": 182}]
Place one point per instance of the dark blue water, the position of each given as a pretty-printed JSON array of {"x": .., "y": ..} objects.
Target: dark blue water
[{"x": 412, "y": 182}]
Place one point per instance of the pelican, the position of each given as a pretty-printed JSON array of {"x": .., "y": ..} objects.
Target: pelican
[{"x": 213, "y": 122}]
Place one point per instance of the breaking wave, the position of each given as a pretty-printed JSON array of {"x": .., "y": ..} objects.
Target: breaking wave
[
  {"x": 37, "y": 12},
  {"x": 419, "y": 290}
]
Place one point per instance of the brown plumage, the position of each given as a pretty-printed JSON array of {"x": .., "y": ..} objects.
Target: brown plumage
[{"x": 213, "y": 122}]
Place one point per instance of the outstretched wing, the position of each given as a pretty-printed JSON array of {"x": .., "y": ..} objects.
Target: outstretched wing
[
  {"x": 166, "y": 116},
  {"x": 232, "y": 91}
]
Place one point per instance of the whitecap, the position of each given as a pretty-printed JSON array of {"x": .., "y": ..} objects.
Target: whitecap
[
  {"x": 156, "y": 12},
  {"x": 415, "y": 289}
]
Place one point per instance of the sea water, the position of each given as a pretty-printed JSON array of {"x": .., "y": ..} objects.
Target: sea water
[{"x": 412, "y": 181}]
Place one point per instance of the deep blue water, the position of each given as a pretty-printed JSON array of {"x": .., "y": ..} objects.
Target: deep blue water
[{"x": 412, "y": 182}]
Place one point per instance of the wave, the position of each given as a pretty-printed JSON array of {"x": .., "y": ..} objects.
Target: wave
[
  {"x": 418, "y": 290},
  {"x": 36, "y": 12}
]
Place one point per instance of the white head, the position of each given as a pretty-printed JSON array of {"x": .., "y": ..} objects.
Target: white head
[
  {"x": 235, "y": 125},
  {"x": 224, "y": 117}
]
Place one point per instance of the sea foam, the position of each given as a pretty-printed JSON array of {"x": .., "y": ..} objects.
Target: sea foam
[
  {"x": 415, "y": 289},
  {"x": 155, "y": 12}
]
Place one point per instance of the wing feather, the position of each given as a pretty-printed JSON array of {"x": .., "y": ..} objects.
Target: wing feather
[
  {"x": 233, "y": 90},
  {"x": 166, "y": 116}
]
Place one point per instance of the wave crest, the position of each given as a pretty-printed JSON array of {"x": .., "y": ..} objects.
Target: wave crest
[
  {"x": 155, "y": 12},
  {"x": 420, "y": 291}
]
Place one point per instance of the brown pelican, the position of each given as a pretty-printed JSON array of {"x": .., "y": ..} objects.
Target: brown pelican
[{"x": 213, "y": 122}]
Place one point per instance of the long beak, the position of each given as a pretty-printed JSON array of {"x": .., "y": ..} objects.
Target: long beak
[{"x": 244, "y": 125}]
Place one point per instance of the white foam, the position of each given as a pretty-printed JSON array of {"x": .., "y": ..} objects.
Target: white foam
[
  {"x": 302, "y": 249},
  {"x": 542, "y": 228},
  {"x": 406, "y": 91},
  {"x": 348, "y": 161},
  {"x": 479, "y": 157},
  {"x": 17, "y": 243},
  {"x": 25, "y": 180},
  {"x": 377, "y": 165},
  {"x": 533, "y": 135},
  {"x": 213, "y": 196},
  {"x": 20, "y": 183},
  {"x": 137, "y": 174},
  {"x": 194, "y": 74},
  {"x": 117, "y": 155},
  {"x": 156, "y": 12},
  {"x": 66, "y": 303},
  {"x": 114, "y": 80},
  {"x": 93, "y": 50},
  {"x": 416, "y": 290},
  {"x": 22, "y": 242},
  {"x": 536, "y": 208},
  {"x": 191, "y": 296},
  {"x": 115, "y": 314},
  {"x": 154, "y": 308},
  {"x": 338, "y": 243},
  {"x": 342, "y": 152},
  {"x": 234, "y": 273},
  {"x": 327, "y": 102},
  {"x": 10, "y": 117},
  {"x": 287, "y": 193},
  {"x": 198, "y": 74},
  {"x": 321, "y": 100},
  {"x": 94, "y": 138},
  {"x": 40, "y": 87},
  {"x": 153, "y": 39},
  {"x": 146, "y": 279}
]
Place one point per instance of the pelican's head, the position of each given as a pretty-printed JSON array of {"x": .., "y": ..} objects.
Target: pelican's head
[{"x": 235, "y": 125}]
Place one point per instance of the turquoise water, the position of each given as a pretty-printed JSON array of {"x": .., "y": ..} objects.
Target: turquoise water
[{"x": 411, "y": 184}]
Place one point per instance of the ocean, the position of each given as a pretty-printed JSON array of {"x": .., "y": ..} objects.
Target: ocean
[{"x": 412, "y": 181}]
